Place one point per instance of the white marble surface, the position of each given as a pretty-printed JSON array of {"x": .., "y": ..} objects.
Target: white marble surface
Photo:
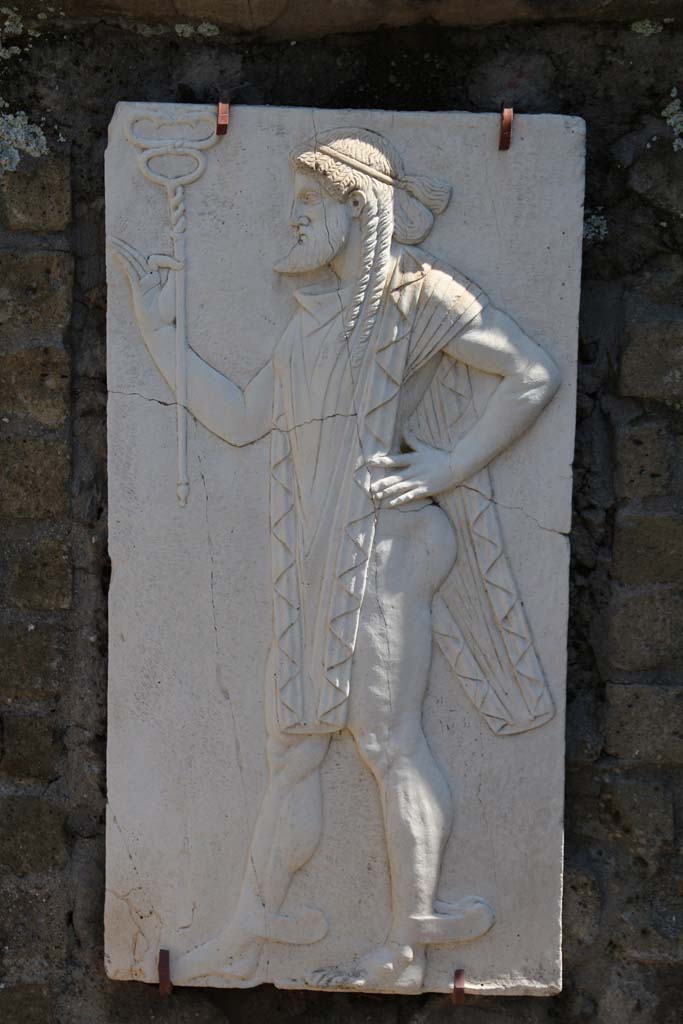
[{"x": 190, "y": 600}]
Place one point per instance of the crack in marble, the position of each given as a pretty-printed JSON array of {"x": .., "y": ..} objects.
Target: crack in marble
[{"x": 282, "y": 430}]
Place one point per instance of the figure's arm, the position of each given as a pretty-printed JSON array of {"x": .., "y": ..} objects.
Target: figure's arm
[
  {"x": 236, "y": 415},
  {"x": 494, "y": 343}
]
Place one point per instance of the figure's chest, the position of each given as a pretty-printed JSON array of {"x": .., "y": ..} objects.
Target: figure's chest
[{"x": 320, "y": 380}]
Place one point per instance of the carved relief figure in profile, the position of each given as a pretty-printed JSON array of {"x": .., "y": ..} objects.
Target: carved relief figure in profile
[{"x": 393, "y": 386}]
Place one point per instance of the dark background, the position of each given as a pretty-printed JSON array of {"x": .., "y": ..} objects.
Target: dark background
[{"x": 623, "y": 938}]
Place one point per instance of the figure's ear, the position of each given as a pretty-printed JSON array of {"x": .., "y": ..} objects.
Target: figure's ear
[{"x": 356, "y": 202}]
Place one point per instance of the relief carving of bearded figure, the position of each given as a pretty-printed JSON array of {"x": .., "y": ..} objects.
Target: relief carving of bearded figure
[{"x": 393, "y": 386}]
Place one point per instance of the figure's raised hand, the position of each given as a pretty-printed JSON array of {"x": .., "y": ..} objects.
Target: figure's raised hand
[
  {"x": 421, "y": 473},
  {"x": 152, "y": 283}
]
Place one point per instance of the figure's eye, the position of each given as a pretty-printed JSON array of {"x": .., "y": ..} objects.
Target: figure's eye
[{"x": 310, "y": 197}]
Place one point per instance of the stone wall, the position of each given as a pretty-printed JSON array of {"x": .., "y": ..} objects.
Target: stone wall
[{"x": 59, "y": 81}]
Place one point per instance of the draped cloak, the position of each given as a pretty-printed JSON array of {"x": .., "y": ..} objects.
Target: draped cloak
[{"x": 333, "y": 410}]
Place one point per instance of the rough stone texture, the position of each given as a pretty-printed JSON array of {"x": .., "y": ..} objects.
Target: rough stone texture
[
  {"x": 34, "y": 479},
  {"x": 637, "y": 813},
  {"x": 68, "y": 79},
  {"x": 645, "y": 628},
  {"x": 33, "y": 835},
  {"x": 648, "y": 548},
  {"x": 31, "y": 1004},
  {"x": 655, "y": 175},
  {"x": 643, "y": 460},
  {"x": 29, "y": 748},
  {"x": 644, "y": 723},
  {"x": 652, "y": 366},
  {"x": 582, "y": 905},
  {"x": 37, "y": 196},
  {"x": 34, "y": 386},
  {"x": 33, "y": 659},
  {"x": 306, "y": 18},
  {"x": 32, "y": 934},
  {"x": 35, "y": 295},
  {"x": 39, "y": 576}
]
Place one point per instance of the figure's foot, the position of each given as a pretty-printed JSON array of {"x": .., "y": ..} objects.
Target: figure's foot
[
  {"x": 464, "y": 921},
  {"x": 236, "y": 952},
  {"x": 393, "y": 967},
  {"x": 229, "y": 956}
]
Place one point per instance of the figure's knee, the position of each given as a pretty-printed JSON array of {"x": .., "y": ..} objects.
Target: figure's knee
[
  {"x": 292, "y": 759},
  {"x": 372, "y": 751},
  {"x": 388, "y": 750}
]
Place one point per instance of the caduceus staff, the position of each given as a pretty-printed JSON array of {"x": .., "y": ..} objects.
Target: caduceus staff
[{"x": 153, "y": 148}]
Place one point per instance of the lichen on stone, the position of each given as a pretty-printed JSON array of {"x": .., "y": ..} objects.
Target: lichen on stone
[
  {"x": 18, "y": 136},
  {"x": 12, "y": 25},
  {"x": 647, "y": 27},
  {"x": 206, "y": 29},
  {"x": 673, "y": 115},
  {"x": 148, "y": 30},
  {"x": 594, "y": 226}
]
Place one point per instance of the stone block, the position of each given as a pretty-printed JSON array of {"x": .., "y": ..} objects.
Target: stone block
[
  {"x": 642, "y": 992},
  {"x": 519, "y": 78},
  {"x": 33, "y": 928},
  {"x": 581, "y": 908},
  {"x": 648, "y": 548},
  {"x": 644, "y": 723},
  {"x": 87, "y": 871},
  {"x": 33, "y": 659},
  {"x": 643, "y": 460},
  {"x": 652, "y": 362},
  {"x": 34, "y": 385},
  {"x": 35, "y": 295},
  {"x": 641, "y": 811},
  {"x": 33, "y": 836},
  {"x": 37, "y": 195},
  {"x": 34, "y": 478},
  {"x": 39, "y": 578},
  {"x": 645, "y": 628},
  {"x": 28, "y": 1004},
  {"x": 656, "y": 175},
  {"x": 662, "y": 277},
  {"x": 300, "y": 19},
  {"x": 584, "y": 739},
  {"x": 29, "y": 748},
  {"x": 637, "y": 812},
  {"x": 646, "y": 925}
]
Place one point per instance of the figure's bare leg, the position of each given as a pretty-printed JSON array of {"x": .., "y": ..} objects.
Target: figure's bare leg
[
  {"x": 285, "y": 836},
  {"x": 390, "y": 673}
]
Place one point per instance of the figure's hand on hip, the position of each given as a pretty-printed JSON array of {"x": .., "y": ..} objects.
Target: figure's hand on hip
[
  {"x": 152, "y": 282},
  {"x": 422, "y": 473}
]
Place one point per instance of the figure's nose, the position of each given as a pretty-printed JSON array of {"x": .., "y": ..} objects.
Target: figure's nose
[{"x": 298, "y": 218}]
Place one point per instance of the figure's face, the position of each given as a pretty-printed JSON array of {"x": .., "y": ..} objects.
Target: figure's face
[{"x": 321, "y": 226}]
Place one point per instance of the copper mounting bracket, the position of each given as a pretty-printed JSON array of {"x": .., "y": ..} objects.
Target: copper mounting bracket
[
  {"x": 459, "y": 987},
  {"x": 223, "y": 118},
  {"x": 506, "y": 117},
  {"x": 165, "y": 986}
]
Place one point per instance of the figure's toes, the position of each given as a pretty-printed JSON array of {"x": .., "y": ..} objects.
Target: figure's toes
[
  {"x": 386, "y": 969},
  {"x": 340, "y": 976}
]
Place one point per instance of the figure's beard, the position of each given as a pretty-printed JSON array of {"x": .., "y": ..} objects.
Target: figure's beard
[{"x": 317, "y": 244}]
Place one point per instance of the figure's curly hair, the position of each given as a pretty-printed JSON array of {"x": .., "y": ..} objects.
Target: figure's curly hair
[
  {"x": 347, "y": 159},
  {"x": 397, "y": 205}
]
